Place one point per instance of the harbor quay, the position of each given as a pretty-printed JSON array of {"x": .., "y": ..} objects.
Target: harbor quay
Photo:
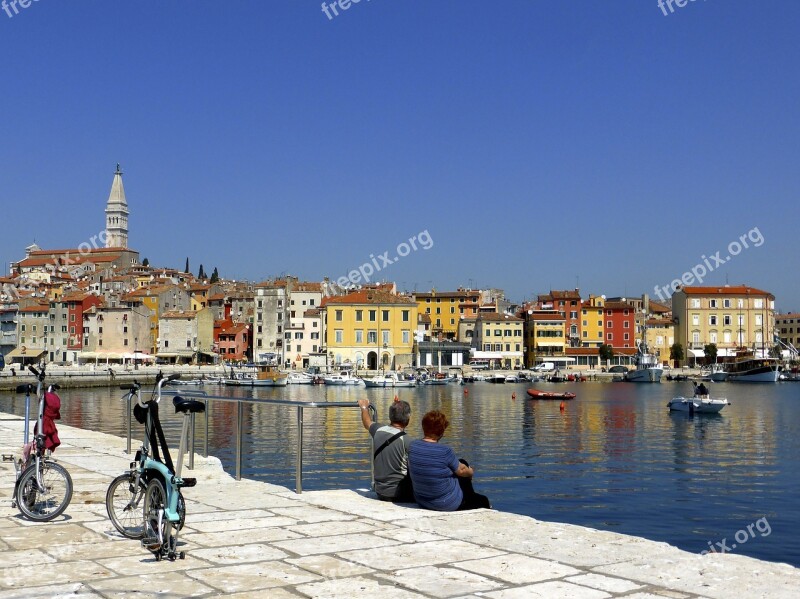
[{"x": 254, "y": 539}]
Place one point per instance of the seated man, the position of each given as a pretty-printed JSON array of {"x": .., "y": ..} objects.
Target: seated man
[
  {"x": 392, "y": 482},
  {"x": 701, "y": 390},
  {"x": 441, "y": 481}
]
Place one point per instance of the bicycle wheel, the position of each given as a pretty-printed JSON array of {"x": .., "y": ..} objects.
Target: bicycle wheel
[
  {"x": 124, "y": 505},
  {"x": 48, "y": 502},
  {"x": 155, "y": 520}
]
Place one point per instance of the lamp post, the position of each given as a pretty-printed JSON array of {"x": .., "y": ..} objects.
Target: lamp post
[{"x": 136, "y": 353}]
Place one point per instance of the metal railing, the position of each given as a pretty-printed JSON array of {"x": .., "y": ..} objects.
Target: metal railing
[{"x": 299, "y": 405}]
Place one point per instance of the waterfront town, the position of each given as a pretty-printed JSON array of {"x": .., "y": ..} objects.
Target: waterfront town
[{"x": 103, "y": 303}]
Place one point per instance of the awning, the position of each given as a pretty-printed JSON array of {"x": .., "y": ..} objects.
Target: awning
[
  {"x": 28, "y": 354},
  {"x": 726, "y": 353},
  {"x": 486, "y": 355},
  {"x": 554, "y": 359},
  {"x": 697, "y": 353},
  {"x": 92, "y": 355}
]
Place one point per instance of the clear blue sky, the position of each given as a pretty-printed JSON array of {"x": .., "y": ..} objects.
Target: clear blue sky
[{"x": 539, "y": 143}]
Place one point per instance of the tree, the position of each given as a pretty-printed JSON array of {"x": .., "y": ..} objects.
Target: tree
[
  {"x": 146, "y": 262},
  {"x": 201, "y": 273},
  {"x": 676, "y": 353},
  {"x": 214, "y": 275},
  {"x": 186, "y": 270},
  {"x": 710, "y": 350},
  {"x": 606, "y": 352}
]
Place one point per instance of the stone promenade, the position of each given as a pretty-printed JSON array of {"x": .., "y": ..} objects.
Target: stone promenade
[{"x": 251, "y": 539}]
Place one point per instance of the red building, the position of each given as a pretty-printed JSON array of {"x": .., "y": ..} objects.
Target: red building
[
  {"x": 620, "y": 324},
  {"x": 233, "y": 340},
  {"x": 77, "y": 303},
  {"x": 568, "y": 304}
]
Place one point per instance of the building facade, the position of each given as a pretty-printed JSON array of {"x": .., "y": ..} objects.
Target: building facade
[
  {"x": 500, "y": 334},
  {"x": 731, "y": 317}
]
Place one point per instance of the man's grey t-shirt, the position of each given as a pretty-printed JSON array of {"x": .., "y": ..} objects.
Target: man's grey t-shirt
[{"x": 391, "y": 465}]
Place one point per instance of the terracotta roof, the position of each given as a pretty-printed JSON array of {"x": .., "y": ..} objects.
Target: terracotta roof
[
  {"x": 725, "y": 290},
  {"x": 540, "y": 316},
  {"x": 495, "y": 317},
  {"x": 233, "y": 329},
  {"x": 368, "y": 296},
  {"x": 308, "y": 286},
  {"x": 180, "y": 314},
  {"x": 73, "y": 296},
  {"x": 618, "y": 306},
  {"x": 573, "y": 294},
  {"x": 36, "y": 308},
  {"x": 311, "y": 312},
  {"x": 424, "y": 317},
  {"x": 448, "y": 294},
  {"x": 659, "y": 322},
  {"x": 217, "y": 297},
  {"x": 271, "y": 284}
]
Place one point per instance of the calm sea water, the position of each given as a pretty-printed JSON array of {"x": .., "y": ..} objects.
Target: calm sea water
[{"x": 614, "y": 459}]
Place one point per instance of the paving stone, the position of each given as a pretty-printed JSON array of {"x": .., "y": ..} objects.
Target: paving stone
[
  {"x": 408, "y": 535},
  {"x": 352, "y": 588},
  {"x": 58, "y": 591},
  {"x": 604, "y": 583},
  {"x": 79, "y": 571},
  {"x": 39, "y": 535},
  {"x": 324, "y": 529},
  {"x": 418, "y": 554},
  {"x": 241, "y": 524},
  {"x": 248, "y": 577},
  {"x": 238, "y": 554},
  {"x": 28, "y": 557},
  {"x": 220, "y": 515},
  {"x": 334, "y": 544},
  {"x": 329, "y": 567},
  {"x": 155, "y": 585},
  {"x": 440, "y": 581},
  {"x": 222, "y": 539},
  {"x": 518, "y": 569},
  {"x": 94, "y": 551},
  {"x": 126, "y": 564},
  {"x": 310, "y": 514},
  {"x": 556, "y": 589}
]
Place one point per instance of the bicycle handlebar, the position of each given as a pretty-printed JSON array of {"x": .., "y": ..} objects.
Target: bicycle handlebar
[
  {"x": 27, "y": 389},
  {"x": 34, "y": 371}
]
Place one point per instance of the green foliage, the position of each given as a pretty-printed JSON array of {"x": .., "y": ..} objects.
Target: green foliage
[
  {"x": 606, "y": 352},
  {"x": 676, "y": 352}
]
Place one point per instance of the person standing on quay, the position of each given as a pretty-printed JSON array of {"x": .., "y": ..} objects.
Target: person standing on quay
[{"x": 441, "y": 481}]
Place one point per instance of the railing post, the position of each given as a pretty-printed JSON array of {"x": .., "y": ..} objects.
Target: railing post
[
  {"x": 205, "y": 444},
  {"x": 299, "y": 467},
  {"x": 128, "y": 450},
  {"x": 191, "y": 443},
  {"x": 239, "y": 440}
]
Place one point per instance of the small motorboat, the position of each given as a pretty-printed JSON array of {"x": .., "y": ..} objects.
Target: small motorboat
[
  {"x": 496, "y": 378},
  {"x": 699, "y": 404},
  {"x": 536, "y": 394}
]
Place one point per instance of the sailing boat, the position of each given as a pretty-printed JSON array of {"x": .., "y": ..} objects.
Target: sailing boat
[{"x": 648, "y": 369}]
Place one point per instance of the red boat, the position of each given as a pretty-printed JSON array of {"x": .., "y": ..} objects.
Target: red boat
[{"x": 536, "y": 394}]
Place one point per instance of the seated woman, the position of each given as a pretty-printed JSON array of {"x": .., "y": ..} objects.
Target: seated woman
[{"x": 441, "y": 481}]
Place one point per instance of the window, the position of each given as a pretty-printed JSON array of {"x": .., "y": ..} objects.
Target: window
[
  {"x": 339, "y": 335},
  {"x": 124, "y": 342},
  {"x": 759, "y": 319},
  {"x": 726, "y": 303},
  {"x": 385, "y": 335},
  {"x": 438, "y": 310},
  {"x": 610, "y": 336},
  {"x": 373, "y": 315},
  {"x": 507, "y": 333},
  {"x": 359, "y": 315},
  {"x": 695, "y": 320},
  {"x": 712, "y": 320},
  {"x": 498, "y": 333},
  {"x": 626, "y": 337},
  {"x": 758, "y": 304},
  {"x": 359, "y": 336},
  {"x": 72, "y": 318},
  {"x": 372, "y": 336},
  {"x": 726, "y": 320},
  {"x": 712, "y": 303},
  {"x": 610, "y": 324},
  {"x": 487, "y": 347},
  {"x": 339, "y": 315},
  {"x": 712, "y": 337},
  {"x": 695, "y": 303},
  {"x": 585, "y": 323},
  {"x": 695, "y": 338},
  {"x": 508, "y": 347},
  {"x": 406, "y": 315},
  {"x": 99, "y": 330},
  {"x": 517, "y": 346},
  {"x": 452, "y": 310},
  {"x": 385, "y": 315},
  {"x": 626, "y": 324}
]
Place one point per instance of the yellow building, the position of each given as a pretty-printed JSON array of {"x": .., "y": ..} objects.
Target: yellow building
[
  {"x": 592, "y": 328},
  {"x": 446, "y": 308},
  {"x": 731, "y": 317},
  {"x": 545, "y": 335},
  {"x": 370, "y": 329},
  {"x": 500, "y": 338}
]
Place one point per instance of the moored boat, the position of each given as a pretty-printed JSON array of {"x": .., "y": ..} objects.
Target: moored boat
[
  {"x": 536, "y": 394},
  {"x": 754, "y": 370},
  {"x": 390, "y": 379},
  {"x": 343, "y": 378}
]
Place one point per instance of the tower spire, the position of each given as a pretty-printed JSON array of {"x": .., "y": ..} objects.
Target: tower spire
[{"x": 117, "y": 214}]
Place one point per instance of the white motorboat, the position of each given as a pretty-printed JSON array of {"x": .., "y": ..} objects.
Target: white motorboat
[
  {"x": 342, "y": 378},
  {"x": 648, "y": 369},
  {"x": 718, "y": 374},
  {"x": 300, "y": 378},
  {"x": 702, "y": 404},
  {"x": 496, "y": 378},
  {"x": 265, "y": 376},
  {"x": 390, "y": 379}
]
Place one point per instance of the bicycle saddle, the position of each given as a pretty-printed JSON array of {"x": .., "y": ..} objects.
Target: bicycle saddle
[{"x": 188, "y": 406}]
